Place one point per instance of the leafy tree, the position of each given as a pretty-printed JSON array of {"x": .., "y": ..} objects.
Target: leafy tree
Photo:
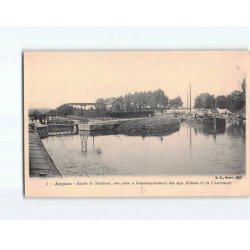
[
  {"x": 141, "y": 100},
  {"x": 101, "y": 104},
  {"x": 197, "y": 102},
  {"x": 128, "y": 100},
  {"x": 205, "y": 100},
  {"x": 36, "y": 113},
  {"x": 221, "y": 101},
  {"x": 176, "y": 102},
  {"x": 235, "y": 101},
  {"x": 100, "y": 101},
  {"x": 150, "y": 99},
  {"x": 243, "y": 86},
  {"x": 64, "y": 110},
  {"x": 159, "y": 98}
]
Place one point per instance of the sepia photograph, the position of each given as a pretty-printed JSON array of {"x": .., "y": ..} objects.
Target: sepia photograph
[
  {"x": 124, "y": 120},
  {"x": 135, "y": 113}
]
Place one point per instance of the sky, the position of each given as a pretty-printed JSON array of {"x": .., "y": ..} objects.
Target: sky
[{"x": 54, "y": 78}]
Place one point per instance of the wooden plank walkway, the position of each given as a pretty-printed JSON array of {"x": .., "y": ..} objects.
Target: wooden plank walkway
[{"x": 40, "y": 163}]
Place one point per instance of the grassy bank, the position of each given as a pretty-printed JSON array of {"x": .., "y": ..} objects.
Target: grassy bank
[{"x": 150, "y": 125}]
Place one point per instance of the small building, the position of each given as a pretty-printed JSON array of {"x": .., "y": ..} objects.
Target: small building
[
  {"x": 83, "y": 105},
  {"x": 115, "y": 105},
  {"x": 223, "y": 111}
]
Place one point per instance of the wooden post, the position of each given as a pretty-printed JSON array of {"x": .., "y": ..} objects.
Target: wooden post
[
  {"x": 215, "y": 116},
  {"x": 190, "y": 137},
  {"x": 77, "y": 129},
  {"x": 190, "y": 96},
  {"x": 214, "y": 122}
]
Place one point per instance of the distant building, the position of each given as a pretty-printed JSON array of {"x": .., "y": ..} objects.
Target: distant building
[
  {"x": 115, "y": 105},
  {"x": 82, "y": 105}
]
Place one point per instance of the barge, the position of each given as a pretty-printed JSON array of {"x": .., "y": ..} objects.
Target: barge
[{"x": 207, "y": 122}]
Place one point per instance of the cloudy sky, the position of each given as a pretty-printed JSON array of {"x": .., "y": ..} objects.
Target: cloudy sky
[{"x": 54, "y": 78}]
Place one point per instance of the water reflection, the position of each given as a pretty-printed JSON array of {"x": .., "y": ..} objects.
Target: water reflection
[
  {"x": 149, "y": 133},
  {"x": 206, "y": 130},
  {"x": 190, "y": 151},
  {"x": 231, "y": 128},
  {"x": 235, "y": 129},
  {"x": 84, "y": 141},
  {"x": 84, "y": 136}
]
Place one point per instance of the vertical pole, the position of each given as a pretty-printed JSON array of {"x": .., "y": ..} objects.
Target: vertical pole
[
  {"x": 190, "y": 137},
  {"x": 215, "y": 116},
  {"x": 215, "y": 122},
  {"x": 77, "y": 129},
  {"x": 187, "y": 100},
  {"x": 190, "y": 96}
]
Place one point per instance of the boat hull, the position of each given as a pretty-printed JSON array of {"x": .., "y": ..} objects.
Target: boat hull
[{"x": 209, "y": 125}]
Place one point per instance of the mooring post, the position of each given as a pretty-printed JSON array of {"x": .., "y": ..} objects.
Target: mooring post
[
  {"x": 77, "y": 129},
  {"x": 214, "y": 122},
  {"x": 190, "y": 98}
]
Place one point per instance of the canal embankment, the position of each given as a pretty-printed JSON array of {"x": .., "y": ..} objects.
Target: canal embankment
[
  {"x": 155, "y": 125},
  {"x": 150, "y": 125},
  {"x": 40, "y": 163}
]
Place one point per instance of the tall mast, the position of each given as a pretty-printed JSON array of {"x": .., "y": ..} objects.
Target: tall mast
[{"x": 190, "y": 96}]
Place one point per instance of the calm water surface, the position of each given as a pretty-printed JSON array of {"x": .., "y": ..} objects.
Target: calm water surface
[{"x": 190, "y": 151}]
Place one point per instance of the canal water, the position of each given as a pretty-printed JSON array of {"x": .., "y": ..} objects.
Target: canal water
[{"x": 189, "y": 151}]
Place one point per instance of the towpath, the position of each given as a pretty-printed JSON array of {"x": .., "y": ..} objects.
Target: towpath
[{"x": 40, "y": 163}]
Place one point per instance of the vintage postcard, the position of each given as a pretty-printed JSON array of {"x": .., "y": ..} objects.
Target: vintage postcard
[{"x": 136, "y": 123}]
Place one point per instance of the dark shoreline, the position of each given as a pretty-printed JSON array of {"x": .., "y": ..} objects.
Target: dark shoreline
[{"x": 154, "y": 126}]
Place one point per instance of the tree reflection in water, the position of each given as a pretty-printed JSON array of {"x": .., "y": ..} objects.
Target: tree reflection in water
[
  {"x": 232, "y": 128},
  {"x": 236, "y": 129},
  {"x": 191, "y": 150}
]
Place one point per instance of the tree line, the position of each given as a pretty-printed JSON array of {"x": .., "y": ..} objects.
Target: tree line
[
  {"x": 144, "y": 100},
  {"x": 234, "y": 102}
]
